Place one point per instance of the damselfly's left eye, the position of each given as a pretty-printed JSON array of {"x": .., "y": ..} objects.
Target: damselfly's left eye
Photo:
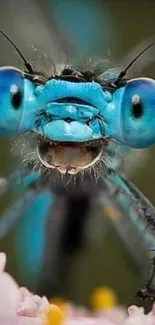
[{"x": 138, "y": 113}]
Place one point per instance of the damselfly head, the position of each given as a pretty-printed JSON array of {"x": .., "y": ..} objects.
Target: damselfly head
[{"x": 75, "y": 138}]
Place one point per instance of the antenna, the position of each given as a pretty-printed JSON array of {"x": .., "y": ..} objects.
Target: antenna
[
  {"x": 27, "y": 64},
  {"x": 123, "y": 72}
]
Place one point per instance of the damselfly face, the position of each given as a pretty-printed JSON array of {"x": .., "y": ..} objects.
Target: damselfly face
[
  {"x": 69, "y": 129},
  {"x": 70, "y": 139}
]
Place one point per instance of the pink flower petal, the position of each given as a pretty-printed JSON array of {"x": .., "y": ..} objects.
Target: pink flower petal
[
  {"x": 28, "y": 321},
  {"x": 88, "y": 321},
  {"x": 2, "y": 262},
  {"x": 24, "y": 293},
  {"x": 43, "y": 306},
  {"x": 27, "y": 308},
  {"x": 152, "y": 312},
  {"x": 117, "y": 315},
  {"x": 9, "y": 298},
  {"x": 134, "y": 310}
]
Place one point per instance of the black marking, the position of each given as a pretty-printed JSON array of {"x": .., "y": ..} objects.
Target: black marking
[
  {"x": 16, "y": 99},
  {"x": 137, "y": 110},
  {"x": 74, "y": 100}
]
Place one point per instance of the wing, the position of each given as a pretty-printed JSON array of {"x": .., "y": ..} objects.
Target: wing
[
  {"x": 140, "y": 219},
  {"x": 129, "y": 196}
]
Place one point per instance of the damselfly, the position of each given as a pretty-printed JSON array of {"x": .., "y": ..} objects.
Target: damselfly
[{"x": 71, "y": 127}]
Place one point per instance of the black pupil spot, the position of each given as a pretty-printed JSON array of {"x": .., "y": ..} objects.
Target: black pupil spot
[
  {"x": 137, "y": 110},
  {"x": 16, "y": 99}
]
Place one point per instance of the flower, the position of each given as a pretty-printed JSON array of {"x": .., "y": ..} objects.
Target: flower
[
  {"x": 9, "y": 295},
  {"x": 18, "y": 306}
]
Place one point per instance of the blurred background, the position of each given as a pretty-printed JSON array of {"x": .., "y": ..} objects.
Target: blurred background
[{"x": 75, "y": 31}]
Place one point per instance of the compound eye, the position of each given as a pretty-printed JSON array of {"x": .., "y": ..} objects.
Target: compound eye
[
  {"x": 138, "y": 113},
  {"x": 12, "y": 86},
  {"x": 12, "y": 83}
]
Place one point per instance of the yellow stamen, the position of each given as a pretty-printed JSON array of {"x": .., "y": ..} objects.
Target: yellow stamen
[
  {"x": 53, "y": 315},
  {"x": 103, "y": 298}
]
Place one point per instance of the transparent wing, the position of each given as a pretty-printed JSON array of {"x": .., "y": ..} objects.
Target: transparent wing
[
  {"x": 28, "y": 26},
  {"x": 140, "y": 212},
  {"x": 136, "y": 228},
  {"x": 58, "y": 30}
]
